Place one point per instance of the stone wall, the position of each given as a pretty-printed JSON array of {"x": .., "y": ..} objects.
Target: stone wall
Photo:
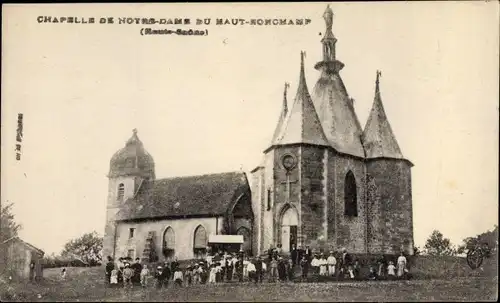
[
  {"x": 280, "y": 192},
  {"x": 312, "y": 195},
  {"x": 392, "y": 206},
  {"x": 183, "y": 230},
  {"x": 257, "y": 188},
  {"x": 113, "y": 206},
  {"x": 350, "y": 231}
]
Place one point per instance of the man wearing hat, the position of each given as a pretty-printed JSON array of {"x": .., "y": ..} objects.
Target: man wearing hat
[{"x": 159, "y": 277}]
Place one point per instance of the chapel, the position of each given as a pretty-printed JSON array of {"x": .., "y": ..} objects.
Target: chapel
[{"x": 324, "y": 182}]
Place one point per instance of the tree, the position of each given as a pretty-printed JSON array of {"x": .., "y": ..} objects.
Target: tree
[
  {"x": 87, "y": 248},
  {"x": 438, "y": 245},
  {"x": 8, "y": 228},
  {"x": 488, "y": 238}
]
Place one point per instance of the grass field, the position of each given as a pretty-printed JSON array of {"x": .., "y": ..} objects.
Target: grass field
[{"x": 435, "y": 279}]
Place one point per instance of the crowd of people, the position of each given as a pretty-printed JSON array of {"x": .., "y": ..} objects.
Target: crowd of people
[{"x": 275, "y": 267}]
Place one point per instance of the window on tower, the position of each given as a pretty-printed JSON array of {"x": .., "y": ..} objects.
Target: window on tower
[
  {"x": 350, "y": 196},
  {"x": 131, "y": 233},
  {"x": 268, "y": 200},
  {"x": 121, "y": 192}
]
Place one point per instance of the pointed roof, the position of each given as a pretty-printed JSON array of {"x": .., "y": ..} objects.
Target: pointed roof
[
  {"x": 302, "y": 124},
  {"x": 337, "y": 115},
  {"x": 332, "y": 102},
  {"x": 284, "y": 112},
  {"x": 378, "y": 138}
]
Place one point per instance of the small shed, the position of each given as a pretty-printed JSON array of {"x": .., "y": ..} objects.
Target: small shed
[{"x": 22, "y": 260}]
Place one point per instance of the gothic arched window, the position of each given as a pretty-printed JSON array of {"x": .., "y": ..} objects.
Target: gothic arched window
[
  {"x": 350, "y": 196},
  {"x": 200, "y": 241},
  {"x": 121, "y": 192},
  {"x": 169, "y": 242}
]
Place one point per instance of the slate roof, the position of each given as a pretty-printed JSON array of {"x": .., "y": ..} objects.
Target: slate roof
[
  {"x": 378, "y": 138},
  {"x": 302, "y": 124},
  {"x": 204, "y": 195},
  {"x": 337, "y": 115}
]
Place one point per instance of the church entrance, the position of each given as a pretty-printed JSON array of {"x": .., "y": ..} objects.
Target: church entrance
[{"x": 289, "y": 223}]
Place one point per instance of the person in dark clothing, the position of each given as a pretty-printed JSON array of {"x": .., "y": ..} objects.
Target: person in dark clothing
[
  {"x": 345, "y": 263},
  {"x": 294, "y": 254},
  {"x": 281, "y": 269},
  {"x": 160, "y": 277},
  {"x": 289, "y": 268},
  {"x": 300, "y": 253},
  {"x": 258, "y": 270},
  {"x": 174, "y": 265},
  {"x": 137, "y": 268},
  {"x": 166, "y": 274},
  {"x": 308, "y": 253},
  {"x": 270, "y": 253},
  {"x": 304, "y": 264},
  {"x": 109, "y": 268},
  {"x": 229, "y": 268}
]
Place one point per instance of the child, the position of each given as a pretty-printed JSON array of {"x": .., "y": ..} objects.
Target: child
[
  {"x": 391, "y": 270},
  {"x": 315, "y": 265},
  {"x": 127, "y": 276},
  {"x": 144, "y": 275},
  {"x": 305, "y": 266},
  {"x": 63, "y": 274},
  {"x": 372, "y": 275},
  {"x": 357, "y": 269},
  {"x": 189, "y": 275},
  {"x": 212, "y": 279},
  {"x": 114, "y": 277}
]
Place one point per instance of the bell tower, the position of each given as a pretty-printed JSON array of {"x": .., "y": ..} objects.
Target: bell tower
[{"x": 129, "y": 168}]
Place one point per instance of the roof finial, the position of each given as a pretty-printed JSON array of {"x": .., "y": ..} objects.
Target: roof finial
[
  {"x": 379, "y": 74},
  {"x": 285, "y": 103},
  {"x": 302, "y": 79},
  {"x": 328, "y": 16},
  {"x": 134, "y": 131}
]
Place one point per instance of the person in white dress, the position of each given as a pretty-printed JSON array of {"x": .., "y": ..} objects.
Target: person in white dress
[
  {"x": 391, "y": 270},
  {"x": 315, "y": 265},
  {"x": 331, "y": 262},
  {"x": 322, "y": 266},
  {"x": 401, "y": 265},
  {"x": 212, "y": 274}
]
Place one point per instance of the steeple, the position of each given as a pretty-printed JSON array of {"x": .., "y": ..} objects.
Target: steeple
[
  {"x": 284, "y": 112},
  {"x": 329, "y": 64},
  {"x": 378, "y": 138},
  {"x": 302, "y": 124},
  {"x": 333, "y": 104}
]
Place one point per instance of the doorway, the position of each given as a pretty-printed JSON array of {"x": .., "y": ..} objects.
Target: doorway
[{"x": 289, "y": 223}]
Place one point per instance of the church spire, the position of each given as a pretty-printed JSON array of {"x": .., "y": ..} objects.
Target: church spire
[
  {"x": 330, "y": 63},
  {"x": 285, "y": 103},
  {"x": 302, "y": 123},
  {"x": 378, "y": 138},
  {"x": 283, "y": 113}
]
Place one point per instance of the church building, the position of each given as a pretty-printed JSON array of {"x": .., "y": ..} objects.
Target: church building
[{"x": 324, "y": 182}]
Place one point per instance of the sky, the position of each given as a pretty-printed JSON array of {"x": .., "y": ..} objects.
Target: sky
[{"x": 209, "y": 104}]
